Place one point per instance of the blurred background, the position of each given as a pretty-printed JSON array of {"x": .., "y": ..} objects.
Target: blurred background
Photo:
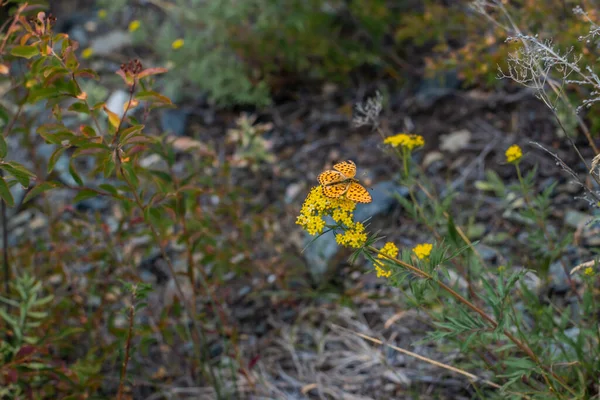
[{"x": 265, "y": 94}]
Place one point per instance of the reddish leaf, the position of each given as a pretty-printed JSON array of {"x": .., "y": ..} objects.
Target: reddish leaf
[
  {"x": 126, "y": 77},
  {"x": 25, "y": 351},
  {"x": 151, "y": 71}
]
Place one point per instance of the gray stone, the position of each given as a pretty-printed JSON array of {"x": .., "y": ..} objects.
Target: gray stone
[
  {"x": 384, "y": 198},
  {"x": 111, "y": 43},
  {"x": 559, "y": 281},
  {"x": 576, "y": 219},
  {"x": 486, "y": 252},
  {"x": 174, "y": 120}
]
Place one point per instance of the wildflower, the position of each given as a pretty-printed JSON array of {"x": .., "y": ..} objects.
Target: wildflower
[
  {"x": 354, "y": 236},
  {"x": 177, "y": 44},
  {"x": 422, "y": 250},
  {"x": 317, "y": 206},
  {"x": 501, "y": 268},
  {"x": 87, "y": 53},
  {"x": 134, "y": 25},
  {"x": 589, "y": 271},
  {"x": 102, "y": 13},
  {"x": 389, "y": 249},
  {"x": 513, "y": 154},
  {"x": 405, "y": 140}
]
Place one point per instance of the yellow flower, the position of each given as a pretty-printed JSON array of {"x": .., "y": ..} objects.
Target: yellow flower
[
  {"x": 408, "y": 141},
  {"x": 501, "y": 268},
  {"x": 589, "y": 271},
  {"x": 177, "y": 44},
  {"x": 423, "y": 250},
  {"x": 354, "y": 236},
  {"x": 388, "y": 249},
  {"x": 102, "y": 13},
  {"x": 513, "y": 154},
  {"x": 134, "y": 25},
  {"x": 317, "y": 206},
  {"x": 87, "y": 53}
]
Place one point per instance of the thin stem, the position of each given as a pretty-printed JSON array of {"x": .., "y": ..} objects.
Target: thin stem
[
  {"x": 522, "y": 346},
  {"x": 127, "y": 349},
  {"x": 5, "y": 263}
]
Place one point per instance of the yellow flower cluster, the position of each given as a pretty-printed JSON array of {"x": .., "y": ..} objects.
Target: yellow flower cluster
[
  {"x": 423, "y": 250},
  {"x": 317, "y": 206},
  {"x": 513, "y": 154},
  {"x": 389, "y": 249},
  {"x": 177, "y": 44},
  {"x": 354, "y": 236},
  {"x": 87, "y": 52},
  {"x": 589, "y": 271},
  {"x": 408, "y": 141},
  {"x": 134, "y": 25}
]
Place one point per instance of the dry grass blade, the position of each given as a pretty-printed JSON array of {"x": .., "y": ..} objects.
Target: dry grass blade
[{"x": 471, "y": 377}]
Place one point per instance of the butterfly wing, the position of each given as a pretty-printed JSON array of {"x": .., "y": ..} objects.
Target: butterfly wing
[
  {"x": 356, "y": 192},
  {"x": 348, "y": 168},
  {"x": 335, "y": 190},
  {"x": 329, "y": 177}
]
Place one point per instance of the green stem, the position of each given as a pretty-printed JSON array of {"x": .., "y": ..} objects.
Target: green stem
[{"x": 522, "y": 346}]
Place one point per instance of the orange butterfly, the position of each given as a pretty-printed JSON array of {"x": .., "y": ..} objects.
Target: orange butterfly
[{"x": 341, "y": 181}]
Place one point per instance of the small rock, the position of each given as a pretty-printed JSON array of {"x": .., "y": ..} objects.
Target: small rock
[
  {"x": 244, "y": 291},
  {"x": 319, "y": 253},
  {"x": 575, "y": 219},
  {"x": 486, "y": 252},
  {"x": 110, "y": 43},
  {"x": 559, "y": 280},
  {"x": 432, "y": 157},
  {"x": 455, "y": 141},
  {"x": 292, "y": 191},
  {"x": 174, "y": 120},
  {"x": 384, "y": 196}
]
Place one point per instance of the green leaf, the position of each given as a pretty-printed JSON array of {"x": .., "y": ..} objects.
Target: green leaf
[
  {"x": 74, "y": 174},
  {"x": 152, "y": 97},
  {"x": 132, "y": 130},
  {"x": 84, "y": 194},
  {"x": 42, "y": 187},
  {"x": 5, "y": 193},
  {"x": 80, "y": 107},
  {"x": 130, "y": 174},
  {"x": 3, "y": 147},
  {"x": 25, "y": 51},
  {"x": 109, "y": 188},
  {"x": 20, "y": 173},
  {"x": 54, "y": 158},
  {"x": 38, "y": 94}
]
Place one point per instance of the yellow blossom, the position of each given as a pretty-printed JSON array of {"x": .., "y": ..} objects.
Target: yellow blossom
[
  {"x": 87, "y": 53},
  {"x": 134, "y": 25},
  {"x": 408, "y": 141},
  {"x": 102, "y": 13},
  {"x": 354, "y": 236},
  {"x": 177, "y": 44},
  {"x": 501, "y": 268},
  {"x": 389, "y": 249},
  {"x": 589, "y": 271},
  {"x": 317, "y": 206},
  {"x": 513, "y": 154},
  {"x": 423, "y": 250}
]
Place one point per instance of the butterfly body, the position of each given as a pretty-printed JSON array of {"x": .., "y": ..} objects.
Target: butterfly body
[{"x": 340, "y": 181}]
